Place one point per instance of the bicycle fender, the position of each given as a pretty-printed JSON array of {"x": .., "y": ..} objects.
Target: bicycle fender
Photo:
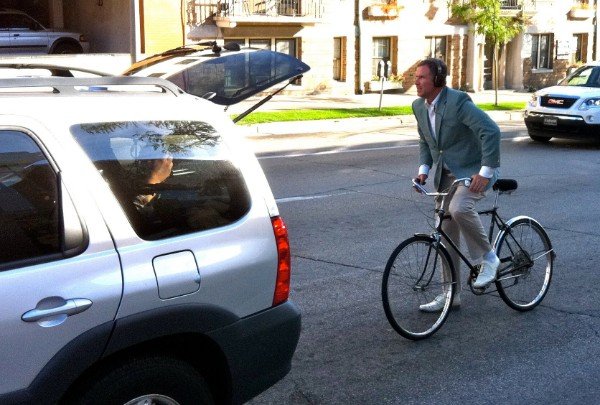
[{"x": 513, "y": 220}]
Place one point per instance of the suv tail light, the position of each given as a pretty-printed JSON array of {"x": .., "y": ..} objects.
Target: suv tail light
[{"x": 282, "y": 284}]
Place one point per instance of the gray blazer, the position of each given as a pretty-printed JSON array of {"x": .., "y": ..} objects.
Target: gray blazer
[{"x": 466, "y": 137}]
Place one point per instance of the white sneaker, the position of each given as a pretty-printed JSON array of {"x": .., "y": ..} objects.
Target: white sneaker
[
  {"x": 438, "y": 303},
  {"x": 487, "y": 275}
]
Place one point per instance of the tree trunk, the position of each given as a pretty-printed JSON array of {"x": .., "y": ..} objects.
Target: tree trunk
[{"x": 495, "y": 69}]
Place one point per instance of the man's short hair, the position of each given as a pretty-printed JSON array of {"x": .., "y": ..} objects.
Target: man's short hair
[{"x": 438, "y": 70}]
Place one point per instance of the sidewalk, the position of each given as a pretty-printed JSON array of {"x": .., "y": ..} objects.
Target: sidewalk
[
  {"x": 353, "y": 125},
  {"x": 302, "y": 102}
]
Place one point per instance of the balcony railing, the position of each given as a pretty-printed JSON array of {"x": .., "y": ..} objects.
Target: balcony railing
[
  {"x": 272, "y": 8},
  {"x": 519, "y": 5},
  {"x": 510, "y": 4},
  {"x": 526, "y": 7},
  {"x": 581, "y": 10}
]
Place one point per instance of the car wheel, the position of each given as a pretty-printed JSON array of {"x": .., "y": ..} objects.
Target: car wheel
[
  {"x": 152, "y": 380},
  {"x": 544, "y": 139},
  {"x": 66, "y": 48}
]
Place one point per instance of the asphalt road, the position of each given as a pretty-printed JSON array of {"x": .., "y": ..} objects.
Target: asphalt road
[{"x": 348, "y": 206}]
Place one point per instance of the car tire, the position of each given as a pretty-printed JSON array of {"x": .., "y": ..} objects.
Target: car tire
[
  {"x": 543, "y": 139},
  {"x": 66, "y": 48},
  {"x": 156, "y": 380}
]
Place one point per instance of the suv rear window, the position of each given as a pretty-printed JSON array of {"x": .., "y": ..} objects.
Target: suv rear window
[{"x": 170, "y": 177}]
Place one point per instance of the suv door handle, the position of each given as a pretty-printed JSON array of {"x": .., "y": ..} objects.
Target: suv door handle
[{"x": 70, "y": 307}]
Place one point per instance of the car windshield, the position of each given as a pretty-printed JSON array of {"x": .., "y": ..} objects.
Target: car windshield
[{"x": 586, "y": 76}]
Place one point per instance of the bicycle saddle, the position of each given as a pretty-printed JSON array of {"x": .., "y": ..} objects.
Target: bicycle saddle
[{"x": 505, "y": 185}]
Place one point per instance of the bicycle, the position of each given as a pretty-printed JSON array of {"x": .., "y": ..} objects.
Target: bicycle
[{"x": 413, "y": 275}]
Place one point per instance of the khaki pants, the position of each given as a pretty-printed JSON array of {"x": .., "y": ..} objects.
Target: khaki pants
[{"x": 465, "y": 221}]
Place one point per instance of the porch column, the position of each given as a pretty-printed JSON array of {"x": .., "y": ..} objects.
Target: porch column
[
  {"x": 471, "y": 74},
  {"x": 514, "y": 63}
]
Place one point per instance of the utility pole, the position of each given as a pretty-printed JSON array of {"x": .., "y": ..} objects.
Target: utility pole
[{"x": 596, "y": 53}]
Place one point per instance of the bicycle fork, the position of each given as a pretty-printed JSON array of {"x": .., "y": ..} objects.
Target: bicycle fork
[{"x": 419, "y": 284}]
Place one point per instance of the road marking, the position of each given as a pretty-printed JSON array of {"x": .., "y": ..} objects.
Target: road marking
[
  {"x": 336, "y": 151},
  {"x": 307, "y": 197}
]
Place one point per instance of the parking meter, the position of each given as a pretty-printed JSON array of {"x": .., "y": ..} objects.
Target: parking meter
[{"x": 387, "y": 69}]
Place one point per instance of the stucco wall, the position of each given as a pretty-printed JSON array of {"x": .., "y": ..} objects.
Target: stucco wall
[{"x": 106, "y": 26}]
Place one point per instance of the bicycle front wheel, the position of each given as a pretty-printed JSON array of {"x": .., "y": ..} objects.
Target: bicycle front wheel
[
  {"x": 527, "y": 258},
  {"x": 413, "y": 277}
]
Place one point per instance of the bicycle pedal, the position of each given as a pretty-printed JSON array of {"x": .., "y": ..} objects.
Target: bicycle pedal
[{"x": 478, "y": 291}]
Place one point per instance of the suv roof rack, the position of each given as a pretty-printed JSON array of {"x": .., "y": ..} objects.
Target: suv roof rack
[
  {"x": 57, "y": 70},
  {"x": 72, "y": 86}
]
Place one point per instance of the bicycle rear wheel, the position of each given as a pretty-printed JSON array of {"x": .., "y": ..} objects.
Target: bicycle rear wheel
[
  {"x": 412, "y": 277},
  {"x": 527, "y": 260}
]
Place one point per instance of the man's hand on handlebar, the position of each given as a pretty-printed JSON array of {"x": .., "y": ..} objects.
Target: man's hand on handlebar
[
  {"x": 420, "y": 179},
  {"x": 478, "y": 183}
]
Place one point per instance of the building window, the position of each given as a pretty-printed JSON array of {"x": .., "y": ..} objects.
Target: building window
[
  {"x": 381, "y": 52},
  {"x": 260, "y": 43},
  {"x": 339, "y": 59},
  {"x": 541, "y": 51},
  {"x": 436, "y": 48},
  {"x": 287, "y": 46},
  {"x": 240, "y": 41},
  {"x": 283, "y": 45},
  {"x": 577, "y": 48}
]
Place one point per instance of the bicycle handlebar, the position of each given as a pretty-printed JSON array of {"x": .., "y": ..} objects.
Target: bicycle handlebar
[{"x": 423, "y": 190}]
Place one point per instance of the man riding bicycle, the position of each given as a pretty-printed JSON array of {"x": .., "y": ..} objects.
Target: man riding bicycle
[{"x": 462, "y": 141}]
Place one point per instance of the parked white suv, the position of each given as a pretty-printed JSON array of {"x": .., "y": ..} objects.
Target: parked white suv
[
  {"x": 20, "y": 33},
  {"x": 143, "y": 256},
  {"x": 570, "y": 109}
]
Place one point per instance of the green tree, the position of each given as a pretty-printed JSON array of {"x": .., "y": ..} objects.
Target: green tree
[{"x": 486, "y": 17}]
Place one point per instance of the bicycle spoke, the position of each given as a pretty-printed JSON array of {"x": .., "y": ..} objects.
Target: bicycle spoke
[
  {"x": 413, "y": 277},
  {"x": 523, "y": 283}
]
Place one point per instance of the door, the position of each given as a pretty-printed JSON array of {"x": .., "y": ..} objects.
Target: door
[{"x": 59, "y": 278}]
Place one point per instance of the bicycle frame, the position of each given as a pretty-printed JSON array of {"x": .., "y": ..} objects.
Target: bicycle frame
[{"x": 495, "y": 222}]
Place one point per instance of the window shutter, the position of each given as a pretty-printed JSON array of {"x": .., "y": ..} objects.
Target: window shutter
[{"x": 343, "y": 59}]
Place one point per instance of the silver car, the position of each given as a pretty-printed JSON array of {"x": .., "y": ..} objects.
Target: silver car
[
  {"x": 20, "y": 33},
  {"x": 144, "y": 259}
]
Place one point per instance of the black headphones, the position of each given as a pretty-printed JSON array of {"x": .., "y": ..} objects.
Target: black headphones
[{"x": 439, "y": 79}]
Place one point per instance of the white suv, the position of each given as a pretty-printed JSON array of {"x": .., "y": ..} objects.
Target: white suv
[
  {"x": 20, "y": 33},
  {"x": 143, "y": 256},
  {"x": 570, "y": 109}
]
